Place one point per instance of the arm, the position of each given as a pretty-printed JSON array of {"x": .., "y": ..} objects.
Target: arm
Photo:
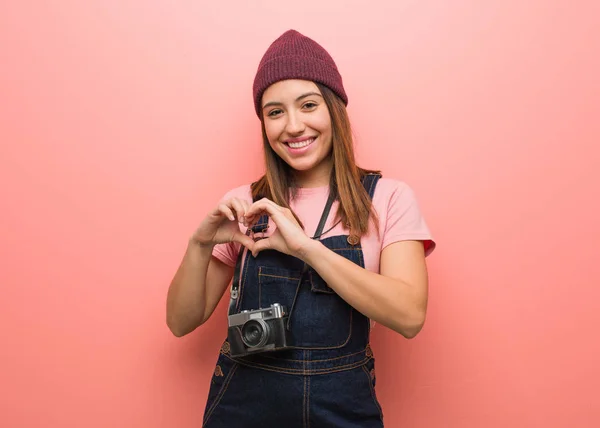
[
  {"x": 196, "y": 289},
  {"x": 396, "y": 298},
  {"x": 201, "y": 278}
]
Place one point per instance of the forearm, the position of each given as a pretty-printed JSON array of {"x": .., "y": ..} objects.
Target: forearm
[
  {"x": 388, "y": 301},
  {"x": 186, "y": 299}
]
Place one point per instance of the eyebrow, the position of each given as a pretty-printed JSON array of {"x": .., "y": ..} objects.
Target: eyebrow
[{"x": 277, "y": 103}]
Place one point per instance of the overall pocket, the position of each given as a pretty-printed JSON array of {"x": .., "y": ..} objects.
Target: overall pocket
[
  {"x": 277, "y": 285},
  {"x": 320, "y": 319}
]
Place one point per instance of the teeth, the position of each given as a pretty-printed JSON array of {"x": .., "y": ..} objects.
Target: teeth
[{"x": 301, "y": 144}]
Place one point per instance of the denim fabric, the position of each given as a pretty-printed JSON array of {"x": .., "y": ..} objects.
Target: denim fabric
[{"x": 327, "y": 379}]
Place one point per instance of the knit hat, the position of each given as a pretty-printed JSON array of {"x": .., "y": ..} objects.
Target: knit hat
[{"x": 295, "y": 56}]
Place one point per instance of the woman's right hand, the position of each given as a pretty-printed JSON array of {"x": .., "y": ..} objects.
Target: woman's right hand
[{"x": 222, "y": 225}]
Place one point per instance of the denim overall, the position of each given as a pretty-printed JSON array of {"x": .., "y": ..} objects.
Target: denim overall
[{"x": 327, "y": 379}]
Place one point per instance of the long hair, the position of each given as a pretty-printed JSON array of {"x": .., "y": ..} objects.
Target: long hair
[{"x": 278, "y": 183}]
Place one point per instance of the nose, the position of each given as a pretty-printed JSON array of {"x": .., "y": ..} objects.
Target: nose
[{"x": 294, "y": 125}]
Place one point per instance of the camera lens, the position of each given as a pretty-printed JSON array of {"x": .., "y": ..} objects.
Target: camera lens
[{"x": 255, "y": 333}]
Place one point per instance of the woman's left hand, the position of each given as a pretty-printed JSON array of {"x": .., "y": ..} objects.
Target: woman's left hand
[{"x": 288, "y": 238}]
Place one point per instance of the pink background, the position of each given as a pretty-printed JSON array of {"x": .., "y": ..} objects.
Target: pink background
[{"x": 122, "y": 123}]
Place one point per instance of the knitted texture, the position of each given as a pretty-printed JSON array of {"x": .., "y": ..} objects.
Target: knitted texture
[{"x": 295, "y": 56}]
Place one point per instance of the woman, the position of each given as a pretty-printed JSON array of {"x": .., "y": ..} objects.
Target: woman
[{"x": 317, "y": 249}]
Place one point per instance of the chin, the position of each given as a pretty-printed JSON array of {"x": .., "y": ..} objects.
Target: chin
[{"x": 302, "y": 166}]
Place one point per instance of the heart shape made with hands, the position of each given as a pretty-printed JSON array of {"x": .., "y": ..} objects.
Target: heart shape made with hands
[{"x": 287, "y": 236}]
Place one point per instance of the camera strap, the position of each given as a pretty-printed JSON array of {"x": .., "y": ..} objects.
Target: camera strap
[
  {"x": 235, "y": 285},
  {"x": 318, "y": 234}
]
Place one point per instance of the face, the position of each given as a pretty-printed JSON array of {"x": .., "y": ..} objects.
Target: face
[{"x": 298, "y": 127}]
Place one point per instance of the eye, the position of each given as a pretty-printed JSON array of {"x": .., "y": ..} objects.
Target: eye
[
  {"x": 310, "y": 105},
  {"x": 274, "y": 112}
]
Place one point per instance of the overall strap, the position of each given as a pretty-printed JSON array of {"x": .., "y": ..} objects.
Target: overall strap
[{"x": 369, "y": 182}]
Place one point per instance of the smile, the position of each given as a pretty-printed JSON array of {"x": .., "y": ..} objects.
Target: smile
[{"x": 300, "y": 144}]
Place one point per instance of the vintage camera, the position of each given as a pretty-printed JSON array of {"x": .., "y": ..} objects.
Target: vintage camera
[{"x": 258, "y": 330}]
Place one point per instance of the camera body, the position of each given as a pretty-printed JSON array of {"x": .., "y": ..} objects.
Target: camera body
[{"x": 260, "y": 330}]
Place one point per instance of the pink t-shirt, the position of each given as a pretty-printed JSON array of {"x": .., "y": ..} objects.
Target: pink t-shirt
[{"x": 394, "y": 201}]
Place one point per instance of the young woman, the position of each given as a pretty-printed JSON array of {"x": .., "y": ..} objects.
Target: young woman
[{"x": 314, "y": 251}]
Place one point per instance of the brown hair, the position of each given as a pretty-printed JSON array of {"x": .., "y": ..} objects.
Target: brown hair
[{"x": 355, "y": 206}]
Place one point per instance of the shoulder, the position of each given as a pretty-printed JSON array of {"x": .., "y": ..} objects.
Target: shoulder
[
  {"x": 391, "y": 190},
  {"x": 400, "y": 214},
  {"x": 390, "y": 184}
]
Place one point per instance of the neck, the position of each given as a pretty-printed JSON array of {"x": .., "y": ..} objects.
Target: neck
[{"x": 316, "y": 177}]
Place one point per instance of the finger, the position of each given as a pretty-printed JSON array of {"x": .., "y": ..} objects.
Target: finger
[
  {"x": 238, "y": 208},
  {"x": 263, "y": 244},
  {"x": 280, "y": 215},
  {"x": 226, "y": 211},
  {"x": 271, "y": 203},
  {"x": 264, "y": 202},
  {"x": 252, "y": 219},
  {"x": 254, "y": 212},
  {"x": 270, "y": 207},
  {"x": 245, "y": 240},
  {"x": 246, "y": 206}
]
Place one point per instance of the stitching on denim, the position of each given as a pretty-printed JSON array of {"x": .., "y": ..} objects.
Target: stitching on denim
[
  {"x": 302, "y": 371},
  {"x": 259, "y": 286},
  {"x": 304, "y": 361},
  {"x": 316, "y": 348},
  {"x": 314, "y": 361},
  {"x": 346, "y": 249},
  {"x": 221, "y": 392},
  {"x": 261, "y": 274},
  {"x": 242, "y": 285},
  {"x": 304, "y": 398},
  {"x": 308, "y": 402},
  {"x": 314, "y": 288},
  {"x": 245, "y": 276},
  {"x": 304, "y": 403},
  {"x": 261, "y": 224},
  {"x": 261, "y": 283},
  {"x": 373, "y": 395},
  {"x": 371, "y": 185},
  {"x": 277, "y": 276},
  {"x": 317, "y": 290}
]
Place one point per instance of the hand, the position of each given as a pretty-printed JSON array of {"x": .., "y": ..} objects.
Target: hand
[
  {"x": 288, "y": 237},
  {"x": 222, "y": 225}
]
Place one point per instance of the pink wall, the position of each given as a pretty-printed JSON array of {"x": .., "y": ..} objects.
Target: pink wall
[{"x": 122, "y": 123}]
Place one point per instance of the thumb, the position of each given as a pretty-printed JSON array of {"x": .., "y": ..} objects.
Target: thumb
[
  {"x": 263, "y": 244},
  {"x": 245, "y": 240}
]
